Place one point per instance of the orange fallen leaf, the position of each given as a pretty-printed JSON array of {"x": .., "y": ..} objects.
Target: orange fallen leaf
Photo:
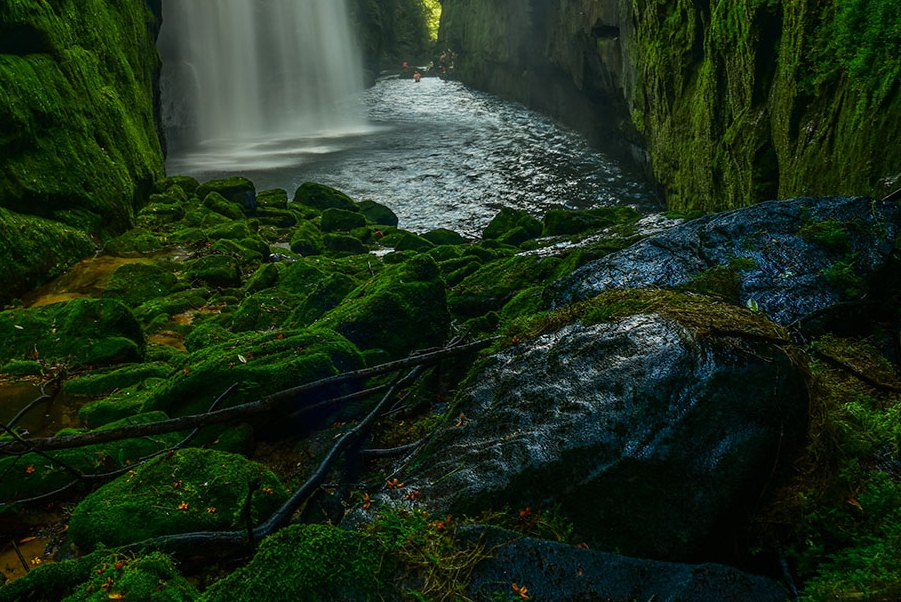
[
  {"x": 412, "y": 495},
  {"x": 461, "y": 420},
  {"x": 211, "y": 510},
  {"x": 116, "y": 596},
  {"x": 108, "y": 584},
  {"x": 119, "y": 565},
  {"x": 267, "y": 490},
  {"x": 183, "y": 506},
  {"x": 27, "y": 539},
  {"x": 522, "y": 590},
  {"x": 367, "y": 501},
  {"x": 29, "y": 469},
  {"x": 394, "y": 484}
]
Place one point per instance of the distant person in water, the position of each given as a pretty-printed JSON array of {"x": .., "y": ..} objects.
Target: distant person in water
[{"x": 417, "y": 76}]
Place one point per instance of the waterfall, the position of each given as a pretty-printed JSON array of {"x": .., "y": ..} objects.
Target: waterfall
[{"x": 241, "y": 75}]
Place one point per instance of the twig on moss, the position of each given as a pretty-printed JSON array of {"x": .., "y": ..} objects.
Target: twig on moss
[{"x": 860, "y": 375}]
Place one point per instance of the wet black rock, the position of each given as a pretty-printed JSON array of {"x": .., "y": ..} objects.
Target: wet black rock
[
  {"x": 789, "y": 258},
  {"x": 554, "y": 571},
  {"x": 655, "y": 439}
]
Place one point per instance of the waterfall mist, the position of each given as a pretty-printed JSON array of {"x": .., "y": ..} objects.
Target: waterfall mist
[{"x": 256, "y": 82}]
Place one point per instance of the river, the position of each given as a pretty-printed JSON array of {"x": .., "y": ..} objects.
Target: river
[{"x": 440, "y": 155}]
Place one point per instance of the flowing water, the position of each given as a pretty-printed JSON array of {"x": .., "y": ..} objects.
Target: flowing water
[{"x": 440, "y": 155}]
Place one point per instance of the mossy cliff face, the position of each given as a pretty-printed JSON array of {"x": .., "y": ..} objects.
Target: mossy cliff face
[
  {"x": 735, "y": 102},
  {"x": 78, "y": 141}
]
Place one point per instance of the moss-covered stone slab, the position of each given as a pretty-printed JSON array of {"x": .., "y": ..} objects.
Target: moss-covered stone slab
[
  {"x": 136, "y": 283},
  {"x": 191, "y": 490},
  {"x": 79, "y": 332},
  {"x": 214, "y": 270},
  {"x": 508, "y": 219},
  {"x": 236, "y": 189},
  {"x": 341, "y": 220}
]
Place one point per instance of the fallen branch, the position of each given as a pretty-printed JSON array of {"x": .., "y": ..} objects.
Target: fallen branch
[
  {"x": 40, "y": 399},
  {"x": 239, "y": 539},
  {"x": 239, "y": 411},
  {"x": 859, "y": 374}
]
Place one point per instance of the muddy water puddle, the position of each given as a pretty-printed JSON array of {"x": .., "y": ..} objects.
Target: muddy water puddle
[{"x": 47, "y": 416}]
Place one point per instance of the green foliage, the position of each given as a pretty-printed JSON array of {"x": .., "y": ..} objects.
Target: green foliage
[
  {"x": 722, "y": 280},
  {"x": 830, "y": 233},
  {"x": 844, "y": 277},
  {"x": 153, "y": 578}
]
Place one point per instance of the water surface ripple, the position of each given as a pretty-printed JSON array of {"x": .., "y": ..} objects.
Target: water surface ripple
[{"x": 440, "y": 155}]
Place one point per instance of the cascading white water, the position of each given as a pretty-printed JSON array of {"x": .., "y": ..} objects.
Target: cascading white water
[{"x": 253, "y": 80}]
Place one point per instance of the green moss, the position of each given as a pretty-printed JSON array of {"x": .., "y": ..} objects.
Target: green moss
[
  {"x": 722, "y": 280},
  {"x": 327, "y": 295},
  {"x": 322, "y": 197},
  {"x": 261, "y": 363},
  {"x": 340, "y": 245},
  {"x": 78, "y": 332},
  {"x": 78, "y": 135},
  {"x": 443, "y": 236},
  {"x": 306, "y": 562},
  {"x": 19, "y": 483},
  {"x": 334, "y": 220},
  {"x": 136, "y": 240},
  {"x": 844, "y": 277},
  {"x": 34, "y": 250},
  {"x": 399, "y": 310},
  {"x": 214, "y": 270},
  {"x": 403, "y": 240},
  {"x": 276, "y": 198},
  {"x": 146, "y": 502},
  {"x": 508, "y": 219},
  {"x": 153, "y": 578},
  {"x": 136, "y": 283},
  {"x": 376, "y": 213},
  {"x": 490, "y": 287},
  {"x": 52, "y": 581},
  {"x": 560, "y": 222},
  {"x": 307, "y": 240},
  {"x": 830, "y": 233},
  {"x": 237, "y": 190},
  {"x": 100, "y": 382},
  {"x": 264, "y": 310},
  {"x": 218, "y": 203},
  {"x": 119, "y": 405},
  {"x": 22, "y": 368}
]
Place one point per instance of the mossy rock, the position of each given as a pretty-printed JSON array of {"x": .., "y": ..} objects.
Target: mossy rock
[
  {"x": 315, "y": 563},
  {"x": 341, "y": 244},
  {"x": 214, "y": 270},
  {"x": 307, "y": 239},
  {"x": 190, "y": 490},
  {"x": 198, "y": 218},
  {"x": 341, "y": 220},
  {"x": 247, "y": 257},
  {"x": 230, "y": 231},
  {"x": 235, "y": 189},
  {"x": 490, "y": 287},
  {"x": 21, "y": 483},
  {"x": 302, "y": 276},
  {"x": 157, "y": 216},
  {"x": 376, "y": 213},
  {"x": 508, "y": 219},
  {"x": 264, "y": 310},
  {"x": 265, "y": 277},
  {"x": 515, "y": 236},
  {"x": 135, "y": 241},
  {"x": 22, "y": 368},
  {"x": 79, "y": 332},
  {"x": 119, "y": 405},
  {"x": 443, "y": 236},
  {"x": 151, "y": 578},
  {"x": 260, "y": 362},
  {"x": 221, "y": 205},
  {"x": 137, "y": 283},
  {"x": 276, "y": 198},
  {"x": 277, "y": 218},
  {"x": 34, "y": 250},
  {"x": 105, "y": 382},
  {"x": 561, "y": 222},
  {"x": 324, "y": 297},
  {"x": 186, "y": 183},
  {"x": 322, "y": 197},
  {"x": 170, "y": 305},
  {"x": 403, "y": 240},
  {"x": 402, "y": 309}
]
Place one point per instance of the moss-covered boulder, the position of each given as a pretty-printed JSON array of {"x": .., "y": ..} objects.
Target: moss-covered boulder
[
  {"x": 221, "y": 205},
  {"x": 32, "y": 475},
  {"x": 78, "y": 137},
  {"x": 402, "y": 309},
  {"x": 33, "y": 250},
  {"x": 342, "y": 244},
  {"x": 307, "y": 239},
  {"x": 79, "y": 332},
  {"x": 215, "y": 270},
  {"x": 276, "y": 198},
  {"x": 260, "y": 362},
  {"x": 103, "y": 576},
  {"x": 404, "y": 240},
  {"x": 102, "y": 382},
  {"x": 191, "y": 490},
  {"x": 335, "y": 220},
  {"x": 559, "y": 222},
  {"x": 136, "y": 283},
  {"x": 322, "y": 197},
  {"x": 134, "y": 241},
  {"x": 237, "y": 190},
  {"x": 264, "y": 310},
  {"x": 317, "y": 563},
  {"x": 376, "y": 213},
  {"x": 327, "y": 294},
  {"x": 508, "y": 219},
  {"x": 443, "y": 236}
]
